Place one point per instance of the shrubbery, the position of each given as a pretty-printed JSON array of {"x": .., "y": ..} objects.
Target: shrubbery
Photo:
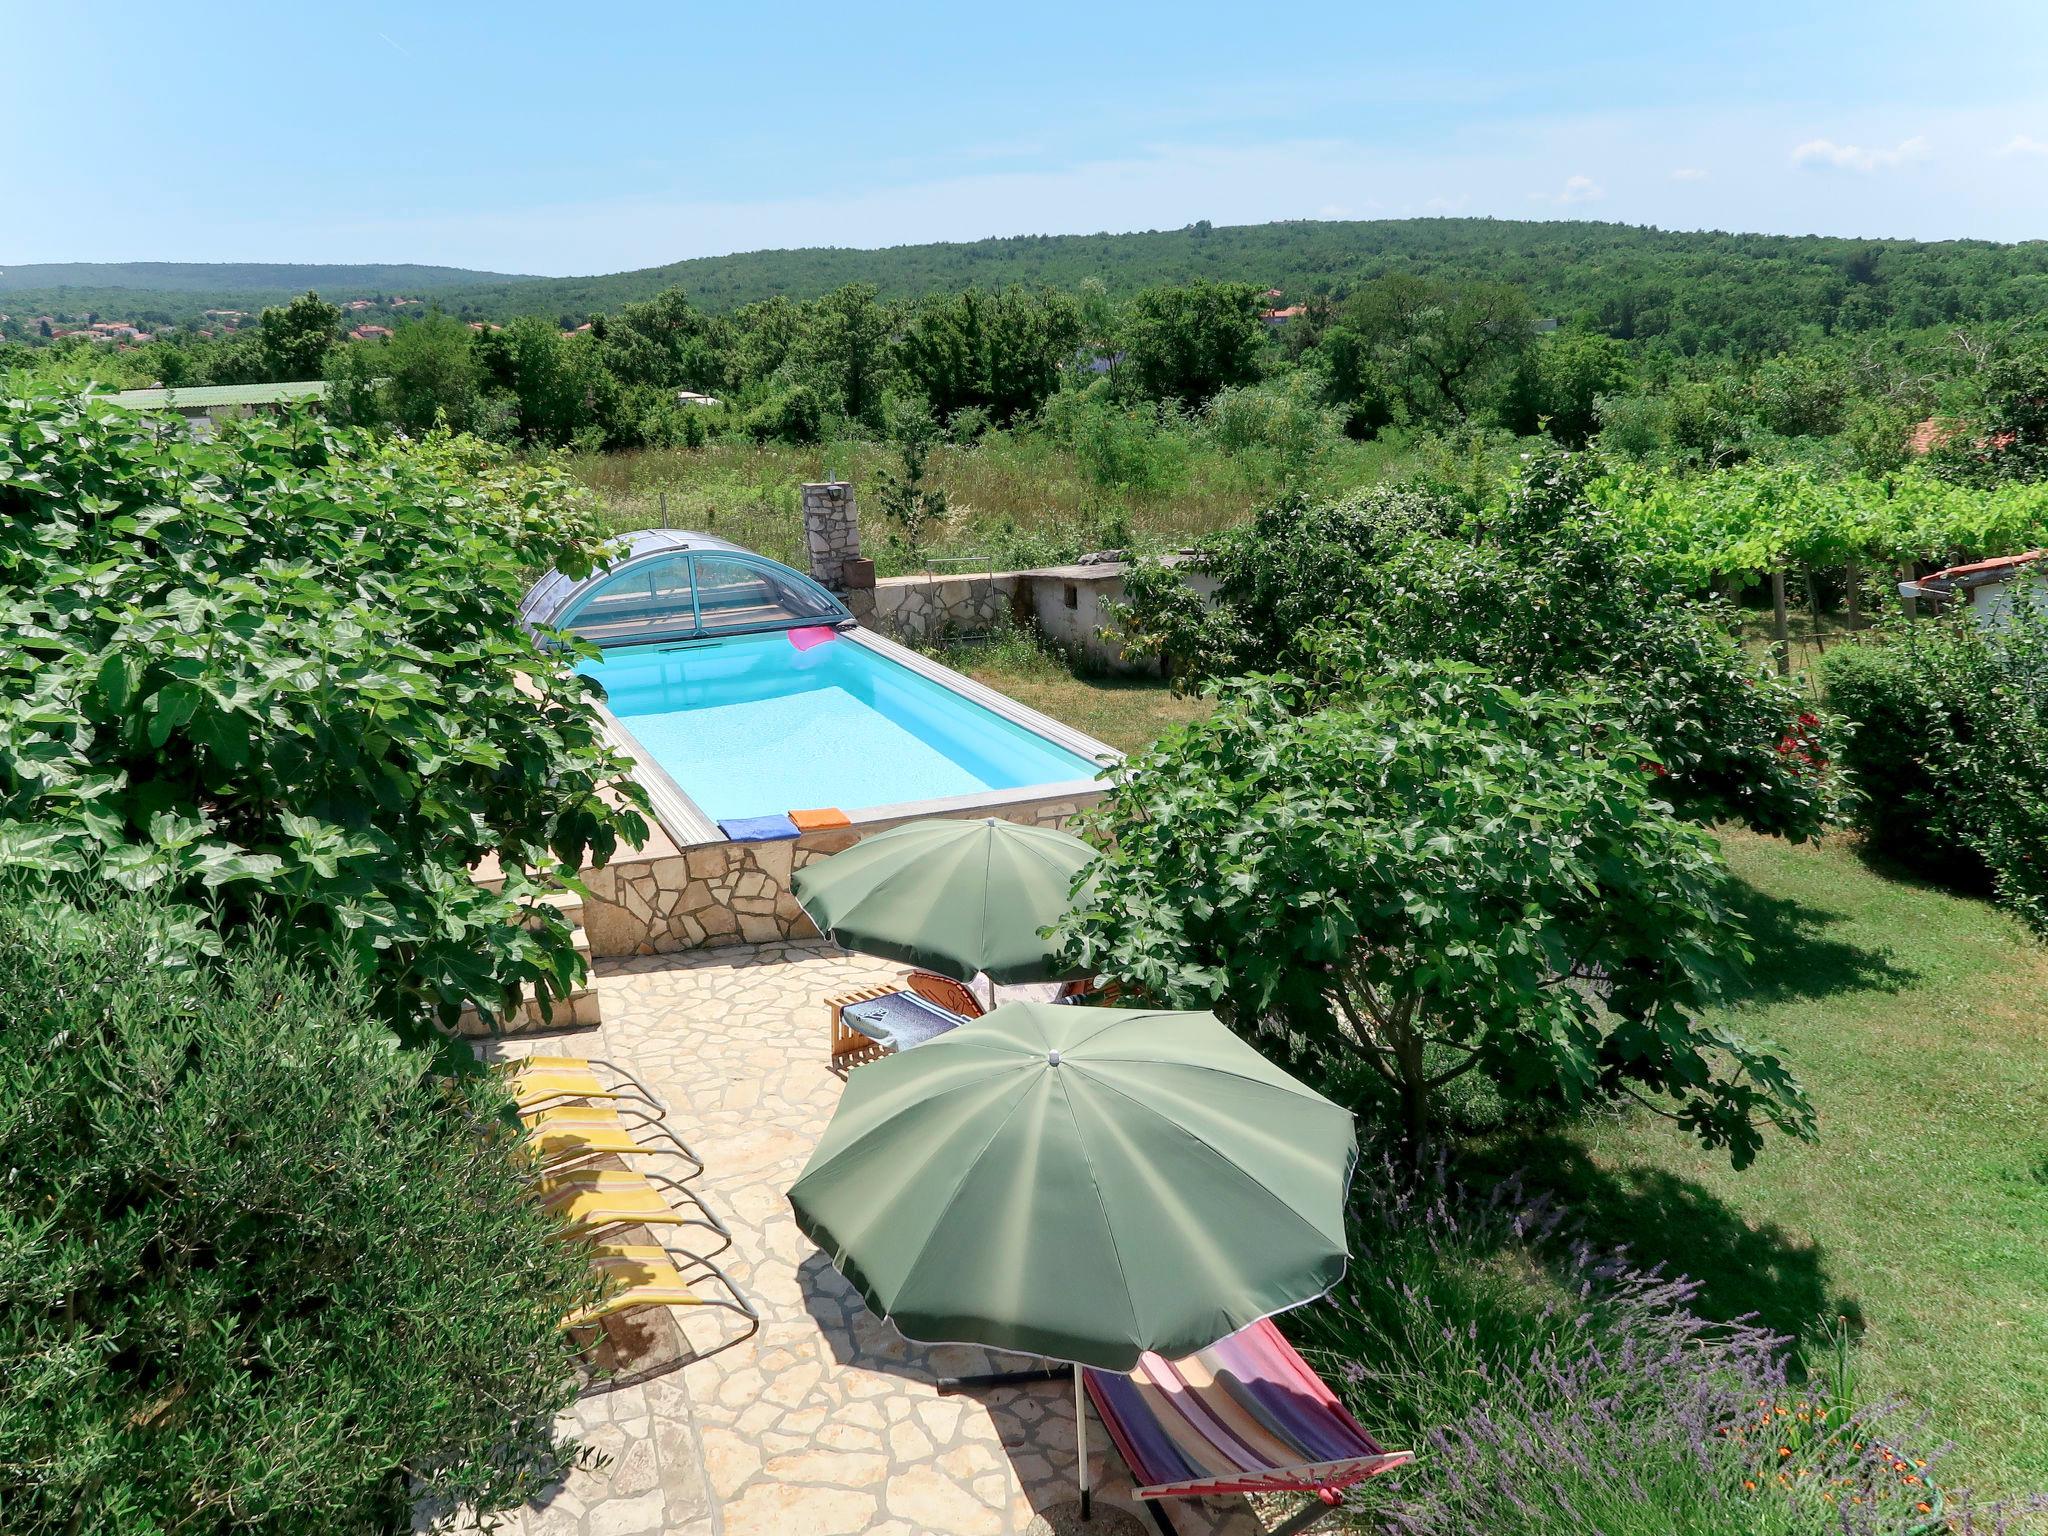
[
  {"x": 260, "y": 1272},
  {"x": 1949, "y": 750},
  {"x": 1597, "y": 1399},
  {"x": 1542, "y": 590},
  {"x": 279, "y": 674},
  {"x": 1895, "y": 801},
  {"x": 1283, "y": 421},
  {"x": 1139, "y": 449}
]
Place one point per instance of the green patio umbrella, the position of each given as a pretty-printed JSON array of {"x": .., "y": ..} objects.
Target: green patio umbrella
[
  {"x": 959, "y": 897},
  {"x": 1083, "y": 1184}
]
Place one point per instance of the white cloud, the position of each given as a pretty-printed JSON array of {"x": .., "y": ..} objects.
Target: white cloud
[
  {"x": 2025, "y": 144},
  {"x": 1442, "y": 204},
  {"x": 1854, "y": 157},
  {"x": 1576, "y": 189},
  {"x": 1688, "y": 173}
]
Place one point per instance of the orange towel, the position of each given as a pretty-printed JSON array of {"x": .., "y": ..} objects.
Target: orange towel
[{"x": 817, "y": 821}]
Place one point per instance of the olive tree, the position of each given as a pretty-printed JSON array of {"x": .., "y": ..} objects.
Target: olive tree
[
  {"x": 261, "y": 1270},
  {"x": 1434, "y": 874}
]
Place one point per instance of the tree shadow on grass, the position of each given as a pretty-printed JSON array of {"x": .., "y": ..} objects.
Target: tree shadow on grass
[
  {"x": 1944, "y": 870},
  {"x": 1796, "y": 957},
  {"x": 1777, "y": 1277}
]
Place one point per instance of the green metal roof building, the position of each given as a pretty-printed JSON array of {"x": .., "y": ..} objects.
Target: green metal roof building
[{"x": 220, "y": 397}]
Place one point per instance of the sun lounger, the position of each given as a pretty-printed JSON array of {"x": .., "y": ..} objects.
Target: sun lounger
[
  {"x": 611, "y": 1336},
  {"x": 571, "y": 1132},
  {"x": 874, "y": 1022},
  {"x": 647, "y": 1275},
  {"x": 539, "y": 1081},
  {"x": 593, "y": 1199},
  {"x": 1246, "y": 1415}
]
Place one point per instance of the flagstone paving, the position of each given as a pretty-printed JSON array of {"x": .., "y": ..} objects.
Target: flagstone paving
[{"x": 827, "y": 1422}]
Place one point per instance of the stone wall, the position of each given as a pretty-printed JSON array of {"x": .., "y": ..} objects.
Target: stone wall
[
  {"x": 1064, "y": 603},
  {"x": 831, "y": 531},
  {"x": 915, "y": 609},
  {"x": 738, "y": 893}
]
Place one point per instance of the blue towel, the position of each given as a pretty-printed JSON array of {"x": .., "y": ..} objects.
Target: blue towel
[{"x": 758, "y": 829}]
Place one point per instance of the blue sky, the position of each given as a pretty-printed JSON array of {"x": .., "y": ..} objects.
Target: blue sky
[{"x": 596, "y": 137}]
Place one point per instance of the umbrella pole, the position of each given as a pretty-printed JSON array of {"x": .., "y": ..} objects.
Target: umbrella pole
[{"x": 1081, "y": 1437}]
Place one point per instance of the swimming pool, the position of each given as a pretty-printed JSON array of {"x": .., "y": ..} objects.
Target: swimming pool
[{"x": 756, "y": 725}]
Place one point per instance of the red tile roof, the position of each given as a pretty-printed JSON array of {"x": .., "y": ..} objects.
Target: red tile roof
[
  {"x": 2004, "y": 565},
  {"x": 1939, "y": 431}
]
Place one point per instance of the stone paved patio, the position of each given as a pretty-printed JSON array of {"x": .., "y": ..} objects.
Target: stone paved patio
[{"x": 826, "y": 1423}]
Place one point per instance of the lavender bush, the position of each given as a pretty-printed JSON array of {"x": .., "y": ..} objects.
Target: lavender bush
[{"x": 1551, "y": 1389}]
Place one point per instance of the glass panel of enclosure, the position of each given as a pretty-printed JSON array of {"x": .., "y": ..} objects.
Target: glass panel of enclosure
[
  {"x": 651, "y": 601},
  {"x": 675, "y": 596},
  {"x": 735, "y": 594}
]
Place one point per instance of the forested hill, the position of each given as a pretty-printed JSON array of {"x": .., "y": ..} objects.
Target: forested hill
[
  {"x": 1625, "y": 280},
  {"x": 252, "y": 278},
  {"x": 1695, "y": 289},
  {"x": 173, "y": 292}
]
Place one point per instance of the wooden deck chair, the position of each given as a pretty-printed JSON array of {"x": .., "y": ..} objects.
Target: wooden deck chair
[
  {"x": 567, "y": 1133},
  {"x": 953, "y": 996},
  {"x": 889, "y": 1019},
  {"x": 1245, "y": 1415},
  {"x": 593, "y": 1199}
]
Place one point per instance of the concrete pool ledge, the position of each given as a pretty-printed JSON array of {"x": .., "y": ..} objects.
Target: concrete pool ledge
[{"x": 690, "y": 887}]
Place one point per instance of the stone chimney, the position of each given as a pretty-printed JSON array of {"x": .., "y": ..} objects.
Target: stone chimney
[{"x": 831, "y": 532}]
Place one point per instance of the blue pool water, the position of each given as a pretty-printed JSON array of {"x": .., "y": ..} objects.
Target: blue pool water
[{"x": 753, "y": 726}]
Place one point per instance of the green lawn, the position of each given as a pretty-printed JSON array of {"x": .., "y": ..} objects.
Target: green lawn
[
  {"x": 1128, "y": 713},
  {"x": 1919, "y": 1024}
]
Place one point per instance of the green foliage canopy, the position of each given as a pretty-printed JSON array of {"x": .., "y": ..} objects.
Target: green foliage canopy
[
  {"x": 1546, "y": 592},
  {"x": 280, "y": 672},
  {"x": 297, "y": 336},
  {"x": 1949, "y": 748},
  {"x": 1432, "y": 874},
  {"x": 1431, "y": 350},
  {"x": 1186, "y": 342},
  {"x": 1000, "y": 352}
]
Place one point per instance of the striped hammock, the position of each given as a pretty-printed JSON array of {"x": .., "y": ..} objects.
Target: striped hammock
[{"x": 1245, "y": 1415}]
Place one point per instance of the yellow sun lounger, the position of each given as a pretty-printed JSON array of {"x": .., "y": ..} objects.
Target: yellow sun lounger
[
  {"x": 539, "y": 1080},
  {"x": 595, "y": 1198},
  {"x": 569, "y": 1133},
  {"x": 651, "y": 1276}
]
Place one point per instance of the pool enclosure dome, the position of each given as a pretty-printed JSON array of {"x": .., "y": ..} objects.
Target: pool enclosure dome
[{"x": 674, "y": 585}]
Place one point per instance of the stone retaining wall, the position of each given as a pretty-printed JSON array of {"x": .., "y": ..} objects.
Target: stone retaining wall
[
  {"x": 722, "y": 893},
  {"x": 1064, "y": 603},
  {"x": 915, "y": 609}
]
